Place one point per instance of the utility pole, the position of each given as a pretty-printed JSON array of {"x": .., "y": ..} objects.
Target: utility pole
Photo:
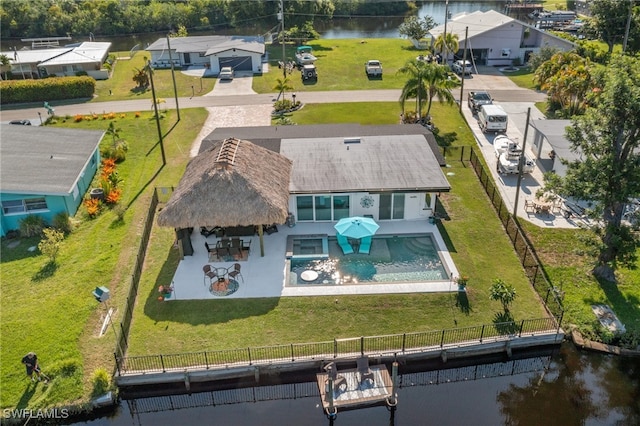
[
  {"x": 173, "y": 76},
  {"x": 521, "y": 164},
  {"x": 464, "y": 64},
  {"x": 284, "y": 58},
  {"x": 444, "y": 35},
  {"x": 155, "y": 107},
  {"x": 626, "y": 30}
]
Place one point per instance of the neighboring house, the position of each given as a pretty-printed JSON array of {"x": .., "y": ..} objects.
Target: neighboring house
[
  {"x": 61, "y": 61},
  {"x": 44, "y": 171},
  {"x": 496, "y": 39},
  {"x": 388, "y": 172},
  {"x": 549, "y": 141},
  {"x": 242, "y": 53}
]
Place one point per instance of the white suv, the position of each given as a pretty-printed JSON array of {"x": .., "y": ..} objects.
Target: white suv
[{"x": 460, "y": 67}]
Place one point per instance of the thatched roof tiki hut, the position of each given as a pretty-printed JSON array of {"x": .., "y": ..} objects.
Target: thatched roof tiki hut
[{"x": 234, "y": 183}]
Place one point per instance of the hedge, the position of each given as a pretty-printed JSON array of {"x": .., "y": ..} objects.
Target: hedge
[{"x": 47, "y": 89}]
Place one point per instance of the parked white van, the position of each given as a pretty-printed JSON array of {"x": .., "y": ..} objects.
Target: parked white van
[{"x": 492, "y": 118}]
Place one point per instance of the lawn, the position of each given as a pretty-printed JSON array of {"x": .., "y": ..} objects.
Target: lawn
[
  {"x": 340, "y": 67},
  {"x": 523, "y": 78},
  {"x": 51, "y": 310},
  {"x": 184, "y": 326},
  {"x": 121, "y": 87}
]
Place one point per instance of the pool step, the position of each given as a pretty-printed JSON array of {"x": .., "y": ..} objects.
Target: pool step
[{"x": 420, "y": 245}]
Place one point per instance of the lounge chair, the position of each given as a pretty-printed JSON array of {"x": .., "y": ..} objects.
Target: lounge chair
[
  {"x": 364, "y": 371},
  {"x": 365, "y": 245},
  {"x": 344, "y": 244}
]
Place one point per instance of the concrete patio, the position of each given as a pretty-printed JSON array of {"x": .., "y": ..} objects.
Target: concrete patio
[{"x": 265, "y": 276}]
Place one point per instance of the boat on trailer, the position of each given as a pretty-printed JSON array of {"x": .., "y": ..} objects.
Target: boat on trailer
[{"x": 508, "y": 153}]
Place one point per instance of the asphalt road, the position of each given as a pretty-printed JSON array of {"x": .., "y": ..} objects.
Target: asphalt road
[{"x": 500, "y": 87}]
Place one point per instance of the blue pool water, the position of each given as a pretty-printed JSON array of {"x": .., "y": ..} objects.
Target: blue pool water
[{"x": 406, "y": 258}]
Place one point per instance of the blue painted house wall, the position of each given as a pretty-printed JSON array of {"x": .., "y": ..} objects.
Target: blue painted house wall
[{"x": 68, "y": 203}]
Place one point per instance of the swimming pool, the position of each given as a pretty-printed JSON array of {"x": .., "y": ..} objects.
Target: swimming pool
[{"x": 393, "y": 258}]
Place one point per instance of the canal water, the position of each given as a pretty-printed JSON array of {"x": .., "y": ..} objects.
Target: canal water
[
  {"x": 558, "y": 386},
  {"x": 337, "y": 28}
]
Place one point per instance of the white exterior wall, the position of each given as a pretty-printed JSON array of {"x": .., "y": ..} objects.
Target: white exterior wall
[
  {"x": 415, "y": 205},
  {"x": 507, "y": 38}
]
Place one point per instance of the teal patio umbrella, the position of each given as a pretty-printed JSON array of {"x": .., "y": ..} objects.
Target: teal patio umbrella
[{"x": 356, "y": 227}]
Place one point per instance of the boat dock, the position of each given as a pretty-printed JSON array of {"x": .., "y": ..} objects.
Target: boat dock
[{"x": 350, "y": 392}]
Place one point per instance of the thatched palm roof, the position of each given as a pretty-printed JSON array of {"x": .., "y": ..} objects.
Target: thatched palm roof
[{"x": 235, "y": 183}]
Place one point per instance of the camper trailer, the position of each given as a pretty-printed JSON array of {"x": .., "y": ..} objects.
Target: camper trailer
[{"x": 492, "y": 118}]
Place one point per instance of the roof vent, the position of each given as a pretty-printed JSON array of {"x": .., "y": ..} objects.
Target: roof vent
[{"x": 352, "y": 140}]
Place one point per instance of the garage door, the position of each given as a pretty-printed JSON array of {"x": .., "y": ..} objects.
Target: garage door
[{"x": 239, "y": 63}]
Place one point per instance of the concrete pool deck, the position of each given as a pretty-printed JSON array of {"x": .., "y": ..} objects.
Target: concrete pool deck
[{"x": 265, "y": 276}]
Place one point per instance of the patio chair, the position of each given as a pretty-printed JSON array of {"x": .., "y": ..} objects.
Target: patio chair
[
  {"x": 365, "y": 245},
  {"x": 222, "y": 252},
  {"x": 332, "y": 373},
  {"x": 236, "y": 272},
  {"x": 364, "y": 371},
  {"x": 344, "y": 244},
  {"x": 209, "y": 273},
  {"x": 210, "y": 250}
]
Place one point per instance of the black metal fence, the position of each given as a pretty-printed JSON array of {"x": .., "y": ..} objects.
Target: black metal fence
[
  {"x": 127, "y": 315},
  {"x": 390, "y": 345},
  {"x": 521, "y": 244}
]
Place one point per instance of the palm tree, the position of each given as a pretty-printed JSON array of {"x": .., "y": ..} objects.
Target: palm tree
[
  {"x": 439, "y": 84},
  {"x": 4, "y": 63},
  {"x": 282, "y": 86},
  {"x": 447, "y": 43},
  {"x": 426, "y": 81}
]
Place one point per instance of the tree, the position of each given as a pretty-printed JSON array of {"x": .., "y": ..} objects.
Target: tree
[
  {"x": 415, "y": 28},
  {"x": 502, "y": 292},
  {"x": 426, "y": 81},
  {"x": 545, "y": 54},
  {"x": 608, "y": 21},
  {"x": 182, "y": 32},
  {"x": 50, "y": 244},
  {"x": 447, "y": 43},
  {"x": 282, "y": 85},
  {"x": 141, "y": 77},
  {"x": 5, "y": 63},
  {"x": 567, "y": 79},
  {"x": 304, "y": 34},
  {"x": 607, "y": 137}
]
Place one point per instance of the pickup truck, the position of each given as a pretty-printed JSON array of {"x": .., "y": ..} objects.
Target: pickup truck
[
  {"x": 478, "y": 98},
  {"x": 373, "y": 68}
]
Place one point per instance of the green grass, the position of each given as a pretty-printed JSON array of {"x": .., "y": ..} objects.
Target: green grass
[
  {"x": 340, "y": 65},
  {"x": 523, "y": 78},
  {"x": 184, "y": 326},
  {"x": 49, "y": 309},
  {"x": 123, "y": 88}
]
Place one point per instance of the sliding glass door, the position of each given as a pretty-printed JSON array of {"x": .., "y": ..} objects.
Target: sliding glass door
[
  {"x": 322, "y": 207},
  {"x": 391, "y": 206}
]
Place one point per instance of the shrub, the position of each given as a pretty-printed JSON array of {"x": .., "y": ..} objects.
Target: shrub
[
  {"x": 505, "y": 293},
  {"x": 93, "y": 206},
  {"x": 32, "y": 226},
  {"x": 100, "y": 381},
  {"x": 114, "y": 196},
  {"x": 283, "y": 105},
  {"x": 50, "y": 244},
  {"x": 62, "y": 223}
]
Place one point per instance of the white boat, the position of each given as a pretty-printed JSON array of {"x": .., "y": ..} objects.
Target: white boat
[
  {"x": 508, "y": 153},
  {"x": 304, "y": 56}
]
